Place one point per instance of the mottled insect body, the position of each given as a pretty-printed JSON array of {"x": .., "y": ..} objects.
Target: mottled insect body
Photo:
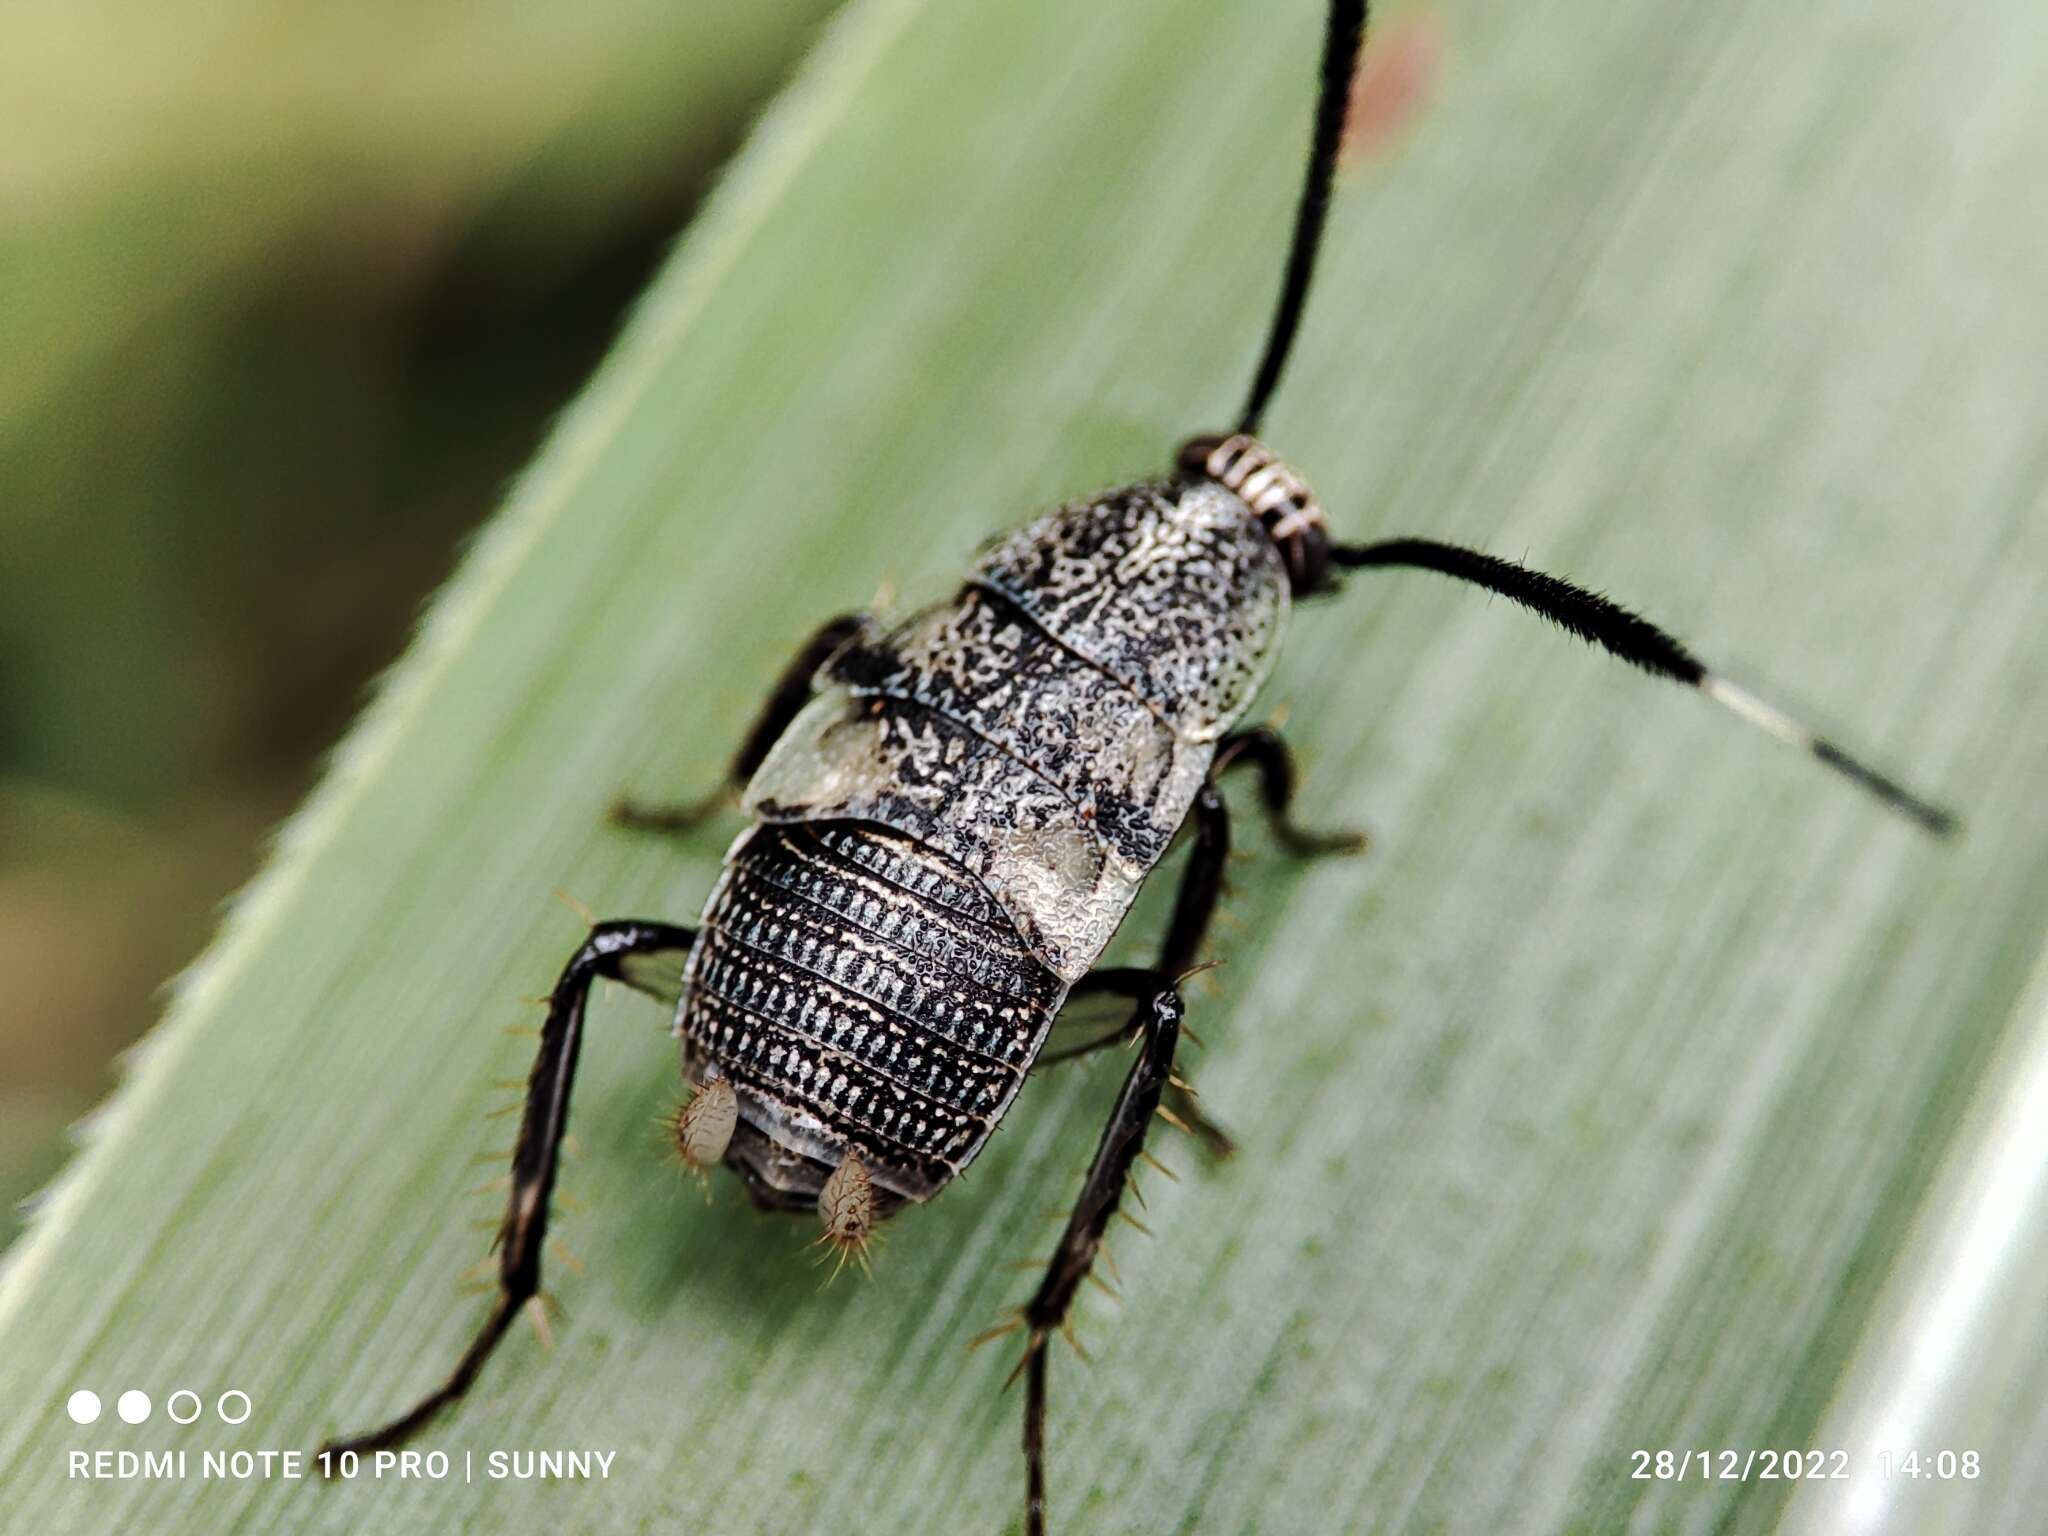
[
  {"x": 951, "y": 819},
  {"x": 1049, "y": 728},
  {"x": 1034, "y": 744}
]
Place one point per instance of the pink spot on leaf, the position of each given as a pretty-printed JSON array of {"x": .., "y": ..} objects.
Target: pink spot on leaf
[{"x": 1393, "y": 82}]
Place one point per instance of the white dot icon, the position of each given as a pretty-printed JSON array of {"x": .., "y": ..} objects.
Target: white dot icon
[
  {"x": 83, "y": 1406},
  {"x": 133, "y": 1407}
]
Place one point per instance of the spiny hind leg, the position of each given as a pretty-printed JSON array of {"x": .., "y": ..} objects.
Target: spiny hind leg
[
  {"x": 792, "y": 692},
  {"x": 646, "y": 955},
  {"x": 1123, "y": 1142},
  {"x": 1193, "y": 907},
  {"x": 1151, "y": 1089}
]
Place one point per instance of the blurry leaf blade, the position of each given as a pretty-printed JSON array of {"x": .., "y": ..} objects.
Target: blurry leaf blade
[
  {"x": 1581, "y": 1115},
  {"x": 1937, "y": 1410}
]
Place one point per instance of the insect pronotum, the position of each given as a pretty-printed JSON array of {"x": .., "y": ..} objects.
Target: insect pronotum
[{"x": 951, "y": 817}]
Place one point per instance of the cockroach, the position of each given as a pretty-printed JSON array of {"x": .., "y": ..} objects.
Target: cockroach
[{"x": 950, "y": 818}]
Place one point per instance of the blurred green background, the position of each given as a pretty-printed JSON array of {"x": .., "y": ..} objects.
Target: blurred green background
[{"x": 287, "y": 292}]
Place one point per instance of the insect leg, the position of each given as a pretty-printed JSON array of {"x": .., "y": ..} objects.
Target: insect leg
[
  {"x": 1262, "y": 748},
  {"x": 1200, "y": 884},
  {"x": 1122, "y": 1141},
  {"x": 1113, "y": 981},
  {"x": 625, "y": 951},
  {"x": 792, "y": 693}
]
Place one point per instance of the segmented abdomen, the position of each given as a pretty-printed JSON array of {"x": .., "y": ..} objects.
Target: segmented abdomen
[{"x": 865, "y": 993}]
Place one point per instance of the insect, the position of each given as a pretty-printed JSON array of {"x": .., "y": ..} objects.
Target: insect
[{"x": 950, "y": 819}]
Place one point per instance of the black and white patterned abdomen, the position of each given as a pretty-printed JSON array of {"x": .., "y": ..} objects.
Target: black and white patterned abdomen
[{"x": 862, "y": 993}]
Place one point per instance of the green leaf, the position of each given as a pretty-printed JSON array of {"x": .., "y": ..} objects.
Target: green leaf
[{"x": 1585, "y": 1115}]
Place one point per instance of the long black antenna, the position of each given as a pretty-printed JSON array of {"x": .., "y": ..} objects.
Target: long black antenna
[
  {"x": 1607, "y": 624},
  {"x": 1340, "y": 62}
]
